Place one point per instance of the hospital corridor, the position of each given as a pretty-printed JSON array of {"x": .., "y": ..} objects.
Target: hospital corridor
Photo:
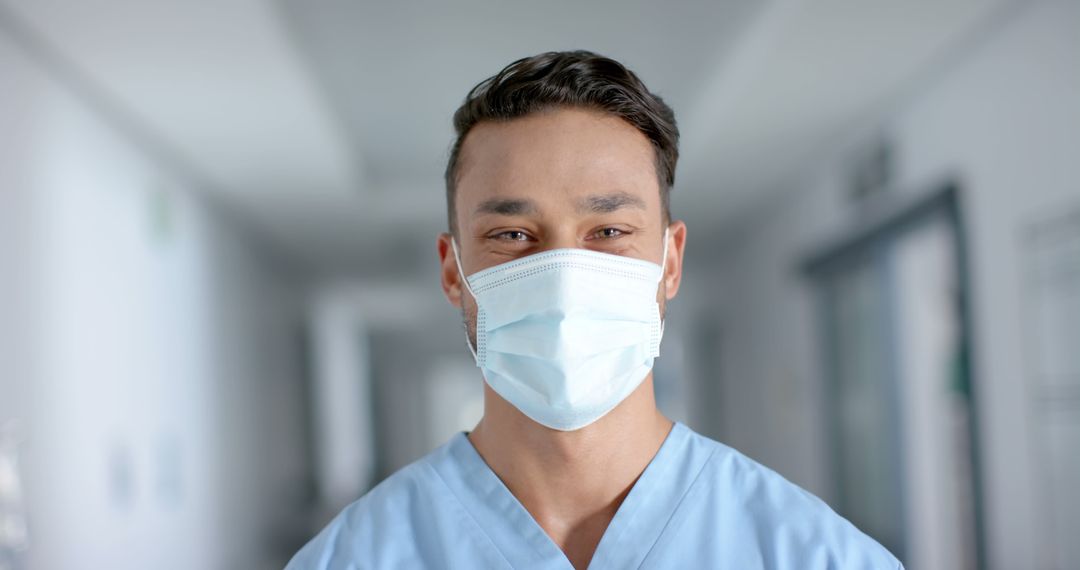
[{"x": 221, "y": 320}]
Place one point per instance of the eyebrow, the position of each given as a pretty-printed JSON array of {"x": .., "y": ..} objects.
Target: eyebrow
[
  {"x": 507, "y": 206},
  {"x": 606, "y": 203}
]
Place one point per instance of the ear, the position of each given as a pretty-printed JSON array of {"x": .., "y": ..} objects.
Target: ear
[
  {"x": 673, "y": 268},
  {"x": 448, "y": 270}
]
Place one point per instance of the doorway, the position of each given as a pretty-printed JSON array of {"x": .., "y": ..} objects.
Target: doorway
[{"x": 894, "y": 308}]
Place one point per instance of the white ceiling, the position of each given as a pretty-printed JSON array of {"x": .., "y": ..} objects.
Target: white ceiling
[
  {"x": 326, "y": 122},
  {"x": 398, "y": 70}
]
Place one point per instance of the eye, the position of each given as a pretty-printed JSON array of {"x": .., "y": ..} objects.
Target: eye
[
  {"x": 608, "y": 233},
  {"x": 511, "y": 235}
]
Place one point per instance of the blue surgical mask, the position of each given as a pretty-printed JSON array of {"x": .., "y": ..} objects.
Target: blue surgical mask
[{"x": 565, "y": 335}]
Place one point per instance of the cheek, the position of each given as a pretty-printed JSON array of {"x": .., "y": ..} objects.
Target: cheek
[
  {"x": 468, "y": 316},
  {"x": 468, "y": 309}
]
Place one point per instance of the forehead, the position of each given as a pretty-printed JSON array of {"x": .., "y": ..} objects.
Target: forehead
[{"x": 554, "y": 157}]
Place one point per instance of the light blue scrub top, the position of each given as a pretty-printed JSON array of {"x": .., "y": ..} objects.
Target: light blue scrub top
[{"x": 699, "y": 504}]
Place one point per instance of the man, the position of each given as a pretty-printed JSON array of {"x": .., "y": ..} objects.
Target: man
[{"x": 562, "y": 255}]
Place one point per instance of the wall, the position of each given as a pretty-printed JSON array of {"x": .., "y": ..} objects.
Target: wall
[
  {"x": 151, "y": 348},
  {"x": 1005, "y": 120}
]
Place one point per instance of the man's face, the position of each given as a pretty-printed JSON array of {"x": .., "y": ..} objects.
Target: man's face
[{"x": 566, "y": 178}]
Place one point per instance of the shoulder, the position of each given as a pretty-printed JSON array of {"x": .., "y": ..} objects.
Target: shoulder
[
  {"x": 366, "y": 529},
  {"x": 789, "y": 526}
]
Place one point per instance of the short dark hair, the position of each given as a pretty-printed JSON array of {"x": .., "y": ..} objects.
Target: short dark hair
[{"x": 575, "y": 79}]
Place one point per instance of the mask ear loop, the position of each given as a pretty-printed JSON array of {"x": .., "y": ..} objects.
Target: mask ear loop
[
  {"x": 663, "y": 271},
  {"x": 464, "y": 281},
  {"x": 663, "y": 260}
]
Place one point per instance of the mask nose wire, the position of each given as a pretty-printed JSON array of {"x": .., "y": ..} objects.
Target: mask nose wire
[{"x": 464, "y": 281}]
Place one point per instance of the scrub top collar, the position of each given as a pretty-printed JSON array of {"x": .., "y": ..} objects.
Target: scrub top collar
[{"x": 647, "y": 511}]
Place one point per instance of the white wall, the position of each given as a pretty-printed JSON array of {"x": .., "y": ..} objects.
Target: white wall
[
  {"x": 1004, "y": 118},
  {"x": 150, "y": 348}
]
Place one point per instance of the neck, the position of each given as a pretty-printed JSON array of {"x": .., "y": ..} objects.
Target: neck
[{"x": 572, "y": 483}]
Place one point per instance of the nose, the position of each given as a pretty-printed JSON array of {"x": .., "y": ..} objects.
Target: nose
[{"x": 562, "y": 237}]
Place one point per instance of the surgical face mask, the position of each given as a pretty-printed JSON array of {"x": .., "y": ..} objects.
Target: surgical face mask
[{"x": 566, "y": 335}]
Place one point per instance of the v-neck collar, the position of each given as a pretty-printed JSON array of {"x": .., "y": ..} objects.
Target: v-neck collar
[{"x": 635, "y": 528}]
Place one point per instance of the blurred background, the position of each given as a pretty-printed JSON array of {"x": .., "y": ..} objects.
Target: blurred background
[{"x": 220, "y": 317}]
